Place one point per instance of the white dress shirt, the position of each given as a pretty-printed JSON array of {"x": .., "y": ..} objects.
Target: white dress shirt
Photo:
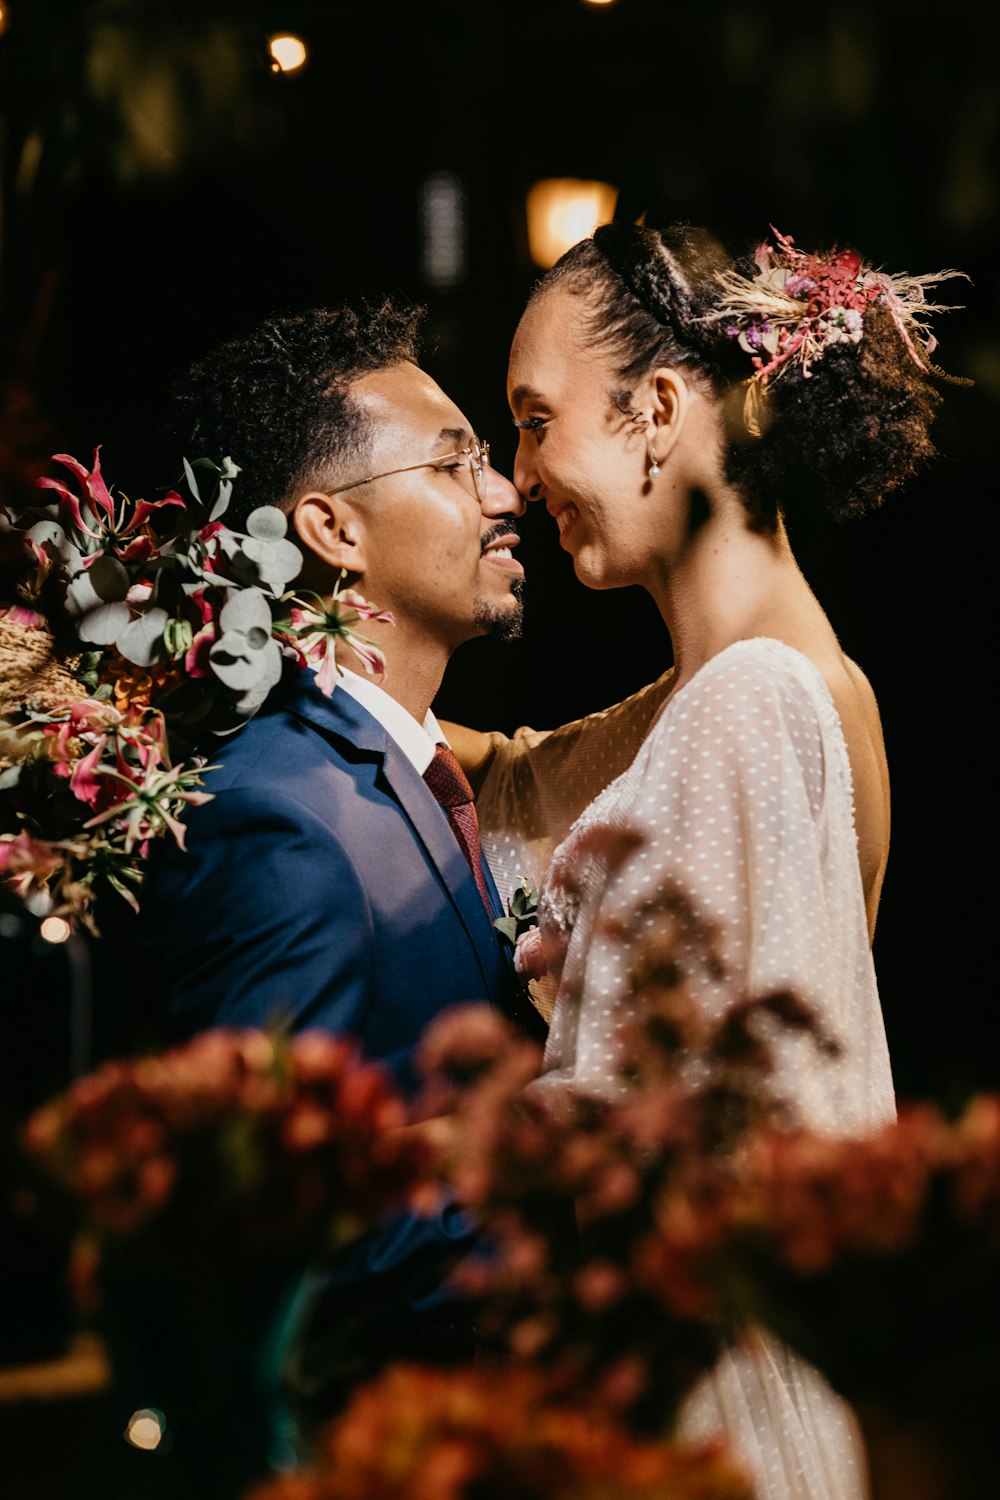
[{"x": 417, "y": 741}]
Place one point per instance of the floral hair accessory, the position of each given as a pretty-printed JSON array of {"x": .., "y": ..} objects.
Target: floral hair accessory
[
  {"x": 798, "y": 306},
  {"x": 139, "y": 630}
]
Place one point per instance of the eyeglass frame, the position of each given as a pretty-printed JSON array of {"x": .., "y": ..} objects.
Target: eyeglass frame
[{"x": 477, "y": 466}]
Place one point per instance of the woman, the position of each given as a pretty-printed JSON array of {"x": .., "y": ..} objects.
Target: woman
[{"x": 675, "y": 410}]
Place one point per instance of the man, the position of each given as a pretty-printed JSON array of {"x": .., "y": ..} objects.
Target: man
[{"x": 323, "y": 885}]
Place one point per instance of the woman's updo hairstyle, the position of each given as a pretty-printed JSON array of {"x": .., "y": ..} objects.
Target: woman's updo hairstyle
[{"x": 832, "y": 434}]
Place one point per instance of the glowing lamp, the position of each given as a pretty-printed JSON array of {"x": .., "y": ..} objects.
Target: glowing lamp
[
  {"x": 563, "y": 210},
  {"x": 288, "y": 53}
]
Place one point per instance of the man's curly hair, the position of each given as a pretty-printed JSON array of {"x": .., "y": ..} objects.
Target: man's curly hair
[
  {"x": 835, "y": 443},
  {"x": 277, "y": 400}
]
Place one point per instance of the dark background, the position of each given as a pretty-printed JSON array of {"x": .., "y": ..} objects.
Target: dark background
[{"x": 162, "y": 187}]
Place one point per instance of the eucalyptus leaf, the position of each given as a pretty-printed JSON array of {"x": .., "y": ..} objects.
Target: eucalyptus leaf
[
  {"x": 51, "y": 534},
  {"x": 11, "y": 776},
  {"x": 507, "y": 927},
  {"x": 109, "y": 578},
  {"x": 254, "y": 696},
  {"x": 276, "y": 562},
  {"x": 242, "y": 571},
  {"x": 47, "y": 531},
  {"x": 236, "y": 666},
  {"x": 192, "y": 482},
  {"x": 81, "y": 596},
  {"x": 221, "y": 504},
  {"x": 139, "y": 642},
  {"x": 244, "y": 610},
  {"x": 103, "y": 625},
  {"x": 267, "y": 523}
]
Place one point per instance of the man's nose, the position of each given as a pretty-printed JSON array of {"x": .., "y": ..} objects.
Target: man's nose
[{"x": 502, "y": 498}]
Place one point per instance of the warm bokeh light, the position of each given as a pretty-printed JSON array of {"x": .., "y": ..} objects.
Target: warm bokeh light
[
  {"x": 563, "y": 210},
  {"x": 145, "y": 1428},
  {"x": 598, "y": 2},
  {"x": 55, "y": 930},
  {"x": 288, "y": 53},
  {"x": 3, "y": 18}
]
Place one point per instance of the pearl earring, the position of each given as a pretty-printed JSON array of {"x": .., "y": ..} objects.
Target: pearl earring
[{"x": 653, "y": 463}]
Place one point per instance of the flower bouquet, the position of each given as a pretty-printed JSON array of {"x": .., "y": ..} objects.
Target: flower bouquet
[{"x": 139, "y": 631}]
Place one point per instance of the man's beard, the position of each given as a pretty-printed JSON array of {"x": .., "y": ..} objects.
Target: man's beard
[{"x": 502, "y": 622}]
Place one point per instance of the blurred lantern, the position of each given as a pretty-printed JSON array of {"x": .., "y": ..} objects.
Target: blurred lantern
[
  {"x": 3, "y": 18},
  {"x": 598, "y": 2},
  {"x": 288, "y": 53},
  {"x": 563, "y": 210}
]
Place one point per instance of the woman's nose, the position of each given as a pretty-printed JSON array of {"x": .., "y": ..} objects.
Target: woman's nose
[{"x": 529, "y": 486}]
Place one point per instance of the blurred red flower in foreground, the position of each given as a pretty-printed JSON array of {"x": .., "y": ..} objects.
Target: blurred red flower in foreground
[
  {"x": 426, "y": 1434},
  {"x": 238, "y": 1143},
  {"x": 879, "y": 1257}
]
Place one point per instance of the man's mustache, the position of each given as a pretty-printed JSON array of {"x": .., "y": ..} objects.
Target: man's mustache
[{"x": 503, "y": 527}]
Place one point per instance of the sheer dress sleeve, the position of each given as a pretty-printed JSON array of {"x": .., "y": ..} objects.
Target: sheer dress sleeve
[{"x": 741, "y": 797}]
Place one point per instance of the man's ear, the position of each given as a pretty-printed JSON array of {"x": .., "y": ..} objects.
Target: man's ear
[
  {"x": 331, "y": 528},
  {"x": 670, "y": 400}
]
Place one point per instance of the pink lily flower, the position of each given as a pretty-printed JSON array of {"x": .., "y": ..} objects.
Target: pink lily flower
[
  {"x": 371, "y": 656},
  {"x": 20, "y": 614},
  {"x": 335, "y": 624},
  {"x": 114, "y": 531},
  {"x": 364, "y": 610},
  {"x": 196, "y": 660},
  {"x": 84, "y": 781}
]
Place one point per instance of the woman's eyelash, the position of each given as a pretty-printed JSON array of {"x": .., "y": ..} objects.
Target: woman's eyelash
[{"x": 531, "y": 424}]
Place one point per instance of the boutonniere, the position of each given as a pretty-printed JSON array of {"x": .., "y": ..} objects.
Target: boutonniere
[{"x": 522, "y": 912}]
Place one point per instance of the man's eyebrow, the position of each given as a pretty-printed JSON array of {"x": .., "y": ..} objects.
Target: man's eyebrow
[
  {"x": 456, "y": 435},
  {"x": 522, "y": 393}
]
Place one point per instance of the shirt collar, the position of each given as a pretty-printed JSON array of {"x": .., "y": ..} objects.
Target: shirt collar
[{"x": 417, "y": 741}]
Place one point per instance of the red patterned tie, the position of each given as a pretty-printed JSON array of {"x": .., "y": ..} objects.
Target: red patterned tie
[{"x": 451, "y": 789}]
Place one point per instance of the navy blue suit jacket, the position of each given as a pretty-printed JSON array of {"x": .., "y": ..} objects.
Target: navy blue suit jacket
[{"x": 322, "y": 886}]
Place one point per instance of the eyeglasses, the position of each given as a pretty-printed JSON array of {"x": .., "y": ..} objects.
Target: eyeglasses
[{"x": 477, "y": 453}]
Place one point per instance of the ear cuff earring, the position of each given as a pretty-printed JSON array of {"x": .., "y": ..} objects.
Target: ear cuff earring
[{"x": 653, "y": 464}]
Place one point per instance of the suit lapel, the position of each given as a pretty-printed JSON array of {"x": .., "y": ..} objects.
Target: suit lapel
[{"x": 343, "y": 717}]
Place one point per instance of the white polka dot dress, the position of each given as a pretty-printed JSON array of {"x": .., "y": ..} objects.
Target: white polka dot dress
[{"x": 741, "y": 795}]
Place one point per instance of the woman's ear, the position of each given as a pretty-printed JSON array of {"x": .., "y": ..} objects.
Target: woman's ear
[
  {"x": 670, "y": 400},
  {"x": 330, "y": 527}
]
